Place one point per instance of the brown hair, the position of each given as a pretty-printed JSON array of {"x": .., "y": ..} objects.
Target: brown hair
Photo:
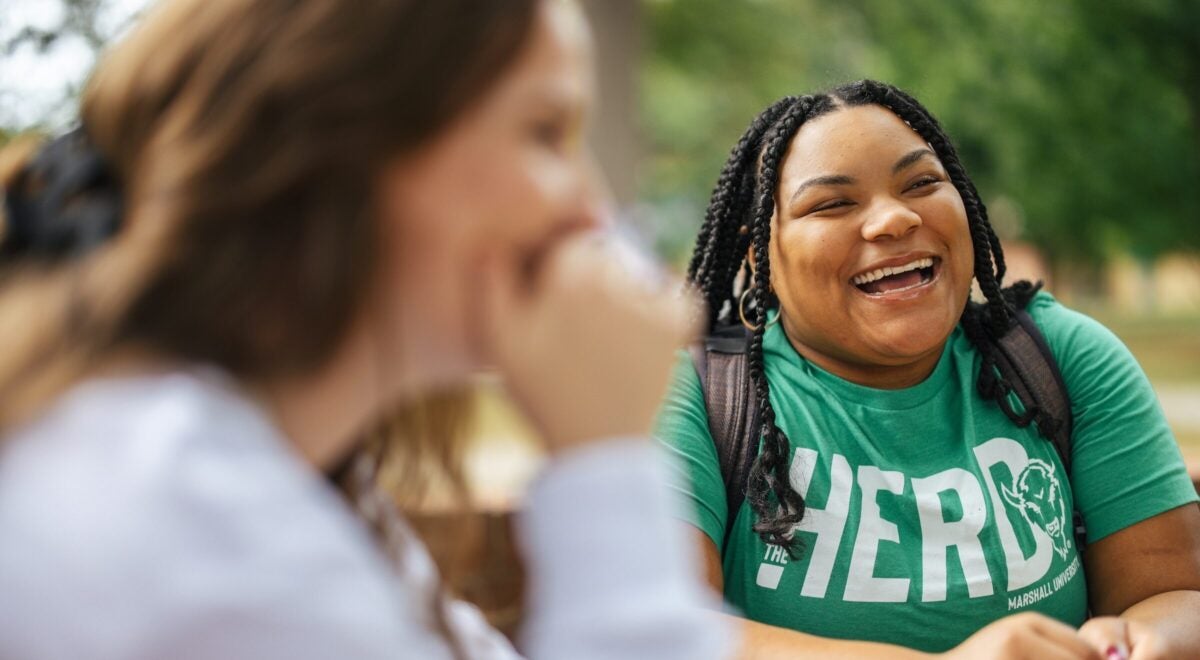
[{"x": 247, "y": 135}]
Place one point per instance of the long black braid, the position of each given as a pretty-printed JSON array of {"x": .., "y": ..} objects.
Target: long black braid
[
  {"x": 738, "y": 220},
  {"x": 711, "y": 262}
]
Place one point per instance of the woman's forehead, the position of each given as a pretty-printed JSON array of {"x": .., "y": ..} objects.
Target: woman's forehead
[{"x": 849, "y": 138}]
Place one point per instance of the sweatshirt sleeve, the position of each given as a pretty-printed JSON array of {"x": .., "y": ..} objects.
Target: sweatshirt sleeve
[{"x": 612, "y": 572}]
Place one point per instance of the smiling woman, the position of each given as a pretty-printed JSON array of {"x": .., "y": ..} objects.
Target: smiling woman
[
  {"x": 897, "y": 496},
  {"x": 873, "y": 246}
]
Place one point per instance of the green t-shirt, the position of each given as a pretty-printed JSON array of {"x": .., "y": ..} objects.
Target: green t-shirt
[{"x": 930, "y": 514}]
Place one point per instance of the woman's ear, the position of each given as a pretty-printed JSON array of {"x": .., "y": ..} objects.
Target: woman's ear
[{"x": 753, "y": 263}]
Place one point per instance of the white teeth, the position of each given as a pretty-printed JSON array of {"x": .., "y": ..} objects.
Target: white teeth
[{"x": 880, "y": 273}]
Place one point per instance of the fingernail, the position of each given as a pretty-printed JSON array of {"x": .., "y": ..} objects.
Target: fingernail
[{"x": 1115, "y": 652}]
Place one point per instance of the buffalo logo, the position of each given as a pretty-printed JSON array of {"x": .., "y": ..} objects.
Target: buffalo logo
[{"x": 1038, "y": 496}]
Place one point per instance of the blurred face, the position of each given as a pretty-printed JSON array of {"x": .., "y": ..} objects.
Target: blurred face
[
  {"x": 871, "y": 256},
  {"x": 505, "y": 180}
]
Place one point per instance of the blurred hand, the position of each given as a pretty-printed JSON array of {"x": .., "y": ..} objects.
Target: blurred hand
[
  {"x": 1026, "y": 635},
  {"x": 1118, "y": 639},
  {"x": 584, "y": 335}
]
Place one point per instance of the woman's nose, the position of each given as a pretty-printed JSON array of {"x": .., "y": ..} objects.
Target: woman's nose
[
  {"x": 890, "y": 220},
  {"x": 598, "y": 208}
]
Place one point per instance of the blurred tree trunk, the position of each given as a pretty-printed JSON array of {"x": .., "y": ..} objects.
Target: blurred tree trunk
[{"x": 617, "y": 27}]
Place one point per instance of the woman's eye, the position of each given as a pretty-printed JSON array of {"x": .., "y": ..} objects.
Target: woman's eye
[
  {"x": 826, "y": 206},
  {"x": 550, "y": 133},
  {"x": 924, "y": 182}
]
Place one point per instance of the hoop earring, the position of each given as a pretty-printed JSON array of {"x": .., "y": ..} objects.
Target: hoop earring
[{"x": 742, "y": 313}]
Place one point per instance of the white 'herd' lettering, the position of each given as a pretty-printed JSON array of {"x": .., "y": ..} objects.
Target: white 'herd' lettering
[
  {"x": 828, "y": 523},
  {"x": 938, "y": 535}
]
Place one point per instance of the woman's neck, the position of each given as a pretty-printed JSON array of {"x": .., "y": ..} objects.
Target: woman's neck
[
  {"x": 900, "y": 375},
  {"x": 880, "y": 377},
  {"x": 324, "y": 413}
]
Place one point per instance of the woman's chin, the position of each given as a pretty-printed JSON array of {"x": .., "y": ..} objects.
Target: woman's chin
[{"x": 902, "y": 344}]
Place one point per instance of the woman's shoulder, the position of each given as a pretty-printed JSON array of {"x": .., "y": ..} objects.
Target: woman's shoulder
[
  {"x": 164, "y": 439},
  {"x": 1069, "y": 333},
  {"x": 169, "y": 455},
  {"x": 1046, "y": 310},
  {"x": 155, "y": 502}
]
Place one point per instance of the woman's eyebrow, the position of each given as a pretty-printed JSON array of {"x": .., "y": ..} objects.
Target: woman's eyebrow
[
  {"x": 826, "y": 180},
  {"x": 910, "y": 158},
  {"x": 843, "y": 180}
]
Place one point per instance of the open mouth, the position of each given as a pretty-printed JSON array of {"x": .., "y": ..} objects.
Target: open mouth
[{"x": 894, "y": 279}]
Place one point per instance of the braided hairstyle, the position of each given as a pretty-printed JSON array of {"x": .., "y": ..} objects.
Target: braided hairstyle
[{"x": 738, "y": 222}]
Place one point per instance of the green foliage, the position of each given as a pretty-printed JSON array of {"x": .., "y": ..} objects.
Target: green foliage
[{"x": 1081, "y": 118}]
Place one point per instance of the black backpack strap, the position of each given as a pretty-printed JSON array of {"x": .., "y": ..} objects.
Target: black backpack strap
[
  {"x": 1025, "y": 361},
  {"x": 723, "y": 365},
  {"x": 1029, "y": 367}
]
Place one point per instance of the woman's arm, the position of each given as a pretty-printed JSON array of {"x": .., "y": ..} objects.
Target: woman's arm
[
  {"x": 1143, "y": 558},
  {"x": 765, "y": 642},
  {"x": 1144, "y": 583},
  {"x": 761, "y": 641},
  {"x": 1018, "y": 636},
  {"x": 610, "y": 573}
]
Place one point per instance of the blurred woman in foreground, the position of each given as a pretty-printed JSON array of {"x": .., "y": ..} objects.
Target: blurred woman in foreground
[{"x": 277, "y": 221}]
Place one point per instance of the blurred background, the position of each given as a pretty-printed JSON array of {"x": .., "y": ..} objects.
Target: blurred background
[{"x": 1078, "y": 119}]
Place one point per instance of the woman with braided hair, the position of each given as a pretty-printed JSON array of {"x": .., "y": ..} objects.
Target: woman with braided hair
[
  {"x": 900, "y": 495},
  {"x": 279, "y": 222}
]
